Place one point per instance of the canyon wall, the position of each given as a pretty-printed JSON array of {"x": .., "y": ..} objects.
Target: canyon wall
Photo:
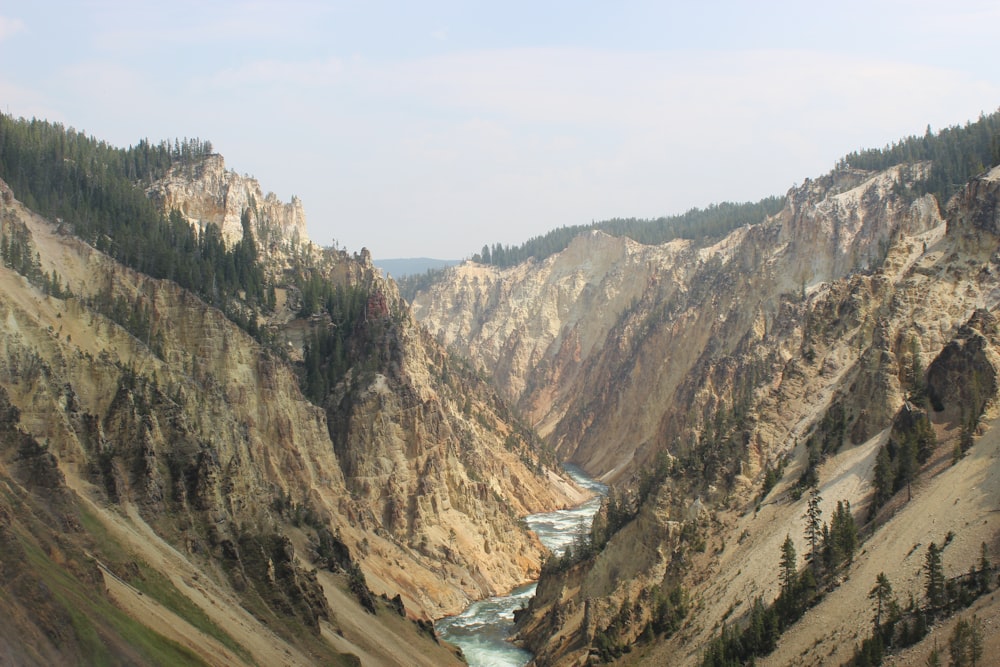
[
  {"x": 137, "y": 411},
  {"x": 786, "y": 351}
]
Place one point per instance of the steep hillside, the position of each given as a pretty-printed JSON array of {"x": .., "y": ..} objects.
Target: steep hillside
[
  {"x": 717, "y": 382},
  {"x": 176, "y": 490},
  {"x": 935, "y": 284},
  {"x": 598, "y": 343}
]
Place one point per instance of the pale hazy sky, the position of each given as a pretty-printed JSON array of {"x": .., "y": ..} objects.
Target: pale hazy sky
[{"x": 429, "y": 128}]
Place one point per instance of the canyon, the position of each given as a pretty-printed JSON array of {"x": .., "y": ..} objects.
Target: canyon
[{"x": 274, "y": 458}]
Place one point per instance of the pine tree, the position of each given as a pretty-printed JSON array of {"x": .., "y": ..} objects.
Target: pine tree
[
  {"x": 882, "y": 594},
  {"x": 966, "y": 643},
  {"x": 933, "y": 569},
  {"x": 907, "y": 464},
  {"x": 788, "y": 568},
  {"x": 984, "y": 569},
  {"x": 934, "y": 657},
  {"x": 883, "y": 479},
  {"x": 918, "y": 384},
  {"x": 831, "y": 551},
  {"x": 976, "y": 641},
  {"x": 814, "y": 527},
  {"x": 843, "y": 530},
  {"x": 926, "y": 439}
]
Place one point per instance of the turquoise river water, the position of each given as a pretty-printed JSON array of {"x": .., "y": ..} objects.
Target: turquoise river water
[{"x": 481, "y": 631}]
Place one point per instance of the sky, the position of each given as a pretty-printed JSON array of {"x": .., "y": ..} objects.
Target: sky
[{"x": 428, "y": 129}]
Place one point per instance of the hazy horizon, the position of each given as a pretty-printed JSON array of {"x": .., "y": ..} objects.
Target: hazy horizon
[{"x": 429, "y": 130}]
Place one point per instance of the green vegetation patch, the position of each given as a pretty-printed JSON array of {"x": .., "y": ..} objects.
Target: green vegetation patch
[
  {"x": 158, "y": 587},
  {"x": 104, "y": 633}
]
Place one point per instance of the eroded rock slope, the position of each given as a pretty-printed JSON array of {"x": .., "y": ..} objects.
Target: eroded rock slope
[
  {"x": 160, "y": 461},
  {"x": 715, "y": 383}
]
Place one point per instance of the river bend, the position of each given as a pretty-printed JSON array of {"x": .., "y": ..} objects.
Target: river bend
[{"x": 481, "y": 631}]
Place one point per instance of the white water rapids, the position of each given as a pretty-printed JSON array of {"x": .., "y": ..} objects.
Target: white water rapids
[{"x": 481, "y": 631}]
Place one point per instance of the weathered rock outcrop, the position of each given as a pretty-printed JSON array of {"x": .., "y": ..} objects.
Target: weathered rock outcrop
[
  {"x": 205, "y": 192},
  {"x": 963, "y": 378}
]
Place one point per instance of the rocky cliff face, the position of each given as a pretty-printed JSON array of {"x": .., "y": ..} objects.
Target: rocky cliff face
[
  {"x": 205, "y": 192},
  {"x": 791, "y": 342},
  {"x": 600, "y": 342},
  {"x": 535, "y": 326},
  {"x": 174, "y": 449}
]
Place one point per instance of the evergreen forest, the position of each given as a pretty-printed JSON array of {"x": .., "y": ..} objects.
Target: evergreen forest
[
  {"x": 957, "y": 154},
  {"x": 96, "y": 190}
]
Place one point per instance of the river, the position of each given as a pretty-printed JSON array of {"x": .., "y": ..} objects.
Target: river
[{"x": 481, "y": 631}]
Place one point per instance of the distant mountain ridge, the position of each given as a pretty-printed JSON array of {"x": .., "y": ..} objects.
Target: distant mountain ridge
[{"x": 402, "y": 267}]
